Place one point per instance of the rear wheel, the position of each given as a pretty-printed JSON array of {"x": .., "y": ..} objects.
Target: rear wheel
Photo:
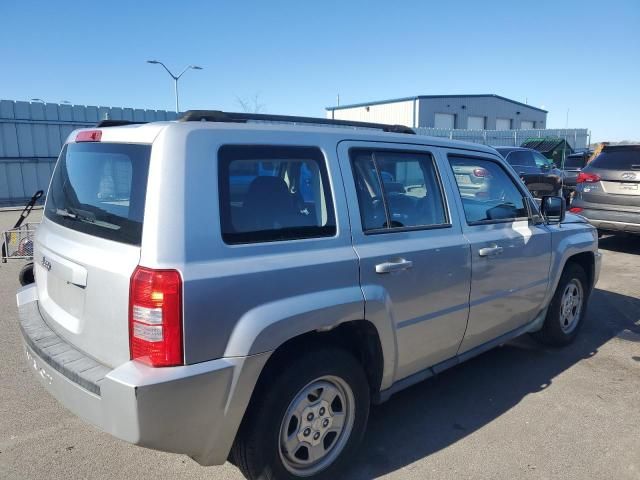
[
  {"x": 26, "y": 276},
  {"x": 304, "y": 422},
  {"x": 567, "y": 308}
]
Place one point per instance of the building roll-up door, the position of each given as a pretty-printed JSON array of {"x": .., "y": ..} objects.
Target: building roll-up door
[
  {"x": 444, "y": 120},
  {"x": 526, "y": 125},
  {"x": 475, "y": 123},
  {"x": 503, "y": 124}
]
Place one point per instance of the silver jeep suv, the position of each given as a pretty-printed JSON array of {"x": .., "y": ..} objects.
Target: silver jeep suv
[{"x": 243, "y": 286}]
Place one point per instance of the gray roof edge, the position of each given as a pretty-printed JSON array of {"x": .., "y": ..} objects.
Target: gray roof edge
[{"x": 418, "y": 97}]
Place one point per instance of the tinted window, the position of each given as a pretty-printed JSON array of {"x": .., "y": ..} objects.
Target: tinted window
[
  {"x": 541, "y": 160},
  {"x": 521, "y": 158},
  {"x": 618, "y": 159},
  {"x": 272, "y": 193},
  {"x": 488, "y": 192},
  {"x": 574, "y": 162},
  {"x": 99, "y": 189},
  {"x": 397, "y": 190}
]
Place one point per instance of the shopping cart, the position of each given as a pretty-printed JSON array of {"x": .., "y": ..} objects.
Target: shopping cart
[{"x": 17, "y": 242}]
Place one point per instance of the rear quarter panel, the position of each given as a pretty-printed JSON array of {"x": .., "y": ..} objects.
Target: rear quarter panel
[{"x": 244, "y": 299}]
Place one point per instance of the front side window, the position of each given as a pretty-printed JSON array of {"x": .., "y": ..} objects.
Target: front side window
[
  {"x": 271, "y": 193},
  {"x": 541, "y": 160},
  {"x": 488, "y": 193},
  {"x": 397, "y": 190}
]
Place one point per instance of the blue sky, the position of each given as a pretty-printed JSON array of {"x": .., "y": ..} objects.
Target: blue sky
[{"x": 298, "y": 55}]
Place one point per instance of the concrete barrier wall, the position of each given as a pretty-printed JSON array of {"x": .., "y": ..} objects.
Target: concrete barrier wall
[{"x": 32, "y": 134}]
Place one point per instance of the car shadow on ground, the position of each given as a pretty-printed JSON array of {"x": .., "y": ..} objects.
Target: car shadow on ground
[
  {"x": 432, "y": 415},
  {"x": 621, "y": 243}
]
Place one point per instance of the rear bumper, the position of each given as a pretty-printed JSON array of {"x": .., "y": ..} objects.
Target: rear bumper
[
  {"x": 193, "y": 409},
  {"x": 611, "y": 220}
]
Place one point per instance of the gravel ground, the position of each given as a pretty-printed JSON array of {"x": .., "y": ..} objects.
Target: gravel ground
[{"x": 519, "y": 411}]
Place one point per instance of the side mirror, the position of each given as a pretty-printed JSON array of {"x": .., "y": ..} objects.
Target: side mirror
[{"x": 553, "y": 208}]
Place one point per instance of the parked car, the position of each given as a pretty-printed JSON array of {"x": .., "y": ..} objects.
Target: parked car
[
  {"x": 540, "y": 175},
  {"x": 190, "y": 298},
  {"x": 571, "y": 168},
  {"x": 608, "y": 190}
]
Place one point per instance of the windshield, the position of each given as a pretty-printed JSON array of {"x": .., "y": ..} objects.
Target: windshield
[{"x": 99, "y": 189}]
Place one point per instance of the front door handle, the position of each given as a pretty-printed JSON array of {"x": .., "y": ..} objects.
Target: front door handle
[
  {"x": 490, "y": 251},
  {"x": 394, "y": 266}
]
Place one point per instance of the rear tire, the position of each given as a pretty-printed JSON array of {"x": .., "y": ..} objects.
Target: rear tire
[
  {"x": 315, "y": 404},
  {"x": 26, "y": 276},
  {"x": 567, "y": 308}
]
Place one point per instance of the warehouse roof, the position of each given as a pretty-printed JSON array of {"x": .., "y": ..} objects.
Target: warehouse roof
[{"x": 420, "y": 97}]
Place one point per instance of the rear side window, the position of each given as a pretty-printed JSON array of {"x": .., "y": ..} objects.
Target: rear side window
[
  {"x": 618, "y": 159},
  {"x": 397, "y": 190},
  {"x": 488, "y": 193},
  {"x": 271, "y": 193},
  {"x": 100, "y": 189}
]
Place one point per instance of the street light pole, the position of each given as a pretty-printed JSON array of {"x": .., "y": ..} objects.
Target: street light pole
[{"x": 175, "y": 77}]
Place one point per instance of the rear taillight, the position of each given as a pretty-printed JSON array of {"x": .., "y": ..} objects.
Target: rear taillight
[
  {"x": 576, "y": 209},
  {"x": 155, "y": 317},
  {"x": 89, "y": 136},
  {"x": 587, "y": 178}
]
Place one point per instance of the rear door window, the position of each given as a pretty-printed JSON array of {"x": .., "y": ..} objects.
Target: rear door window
[
  {"x": 397, "y": 190},
  {"x": 100, "y": 189},
  {"x": 271, "y": 193},
  {"x": 521, "y": 158}
]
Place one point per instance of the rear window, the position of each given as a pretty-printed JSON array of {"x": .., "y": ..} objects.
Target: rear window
[
  {"x": 574, "y": 162},
  {"x": 271, "y": 193},
  {"x": 618, "y": 159},
  {"x": 99, "y": 189}
]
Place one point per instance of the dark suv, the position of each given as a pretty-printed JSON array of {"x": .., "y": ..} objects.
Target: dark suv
[
  {"x": 571, "y": 168},
  {"x": 540, "y": 175},
  {"x": 608, "y": 190}
]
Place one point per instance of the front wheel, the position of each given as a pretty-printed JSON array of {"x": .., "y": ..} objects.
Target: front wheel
[
  {"x": 306, "y": 419},
  {"x": 567, "y": 308}
]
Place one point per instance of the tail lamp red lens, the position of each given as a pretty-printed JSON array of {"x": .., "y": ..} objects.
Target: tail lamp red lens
[
  {"x": 575, "y": 209},
  {"x": 89, "y": 136},
  {"x": 155, "y": 317},
  {"x": 584, "y": 177}
]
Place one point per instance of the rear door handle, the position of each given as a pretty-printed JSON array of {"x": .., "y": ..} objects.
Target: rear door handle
[
  {"x": 394, "y": 266},
  {"x": 490, "y": 251}
]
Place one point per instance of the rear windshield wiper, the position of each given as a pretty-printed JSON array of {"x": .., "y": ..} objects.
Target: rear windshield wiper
[
  {"x": 86, "y": 218},
  {"x": 63, "y": 212}
]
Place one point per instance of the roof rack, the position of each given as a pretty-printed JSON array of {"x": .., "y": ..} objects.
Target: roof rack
[
  {"x": 234, "y": 117},
  {"x": 117, "y": 123}
]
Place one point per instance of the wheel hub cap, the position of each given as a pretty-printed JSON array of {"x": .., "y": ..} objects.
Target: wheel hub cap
[
  {"x": 571, "y": 306},
  {"x": 316, "y": 426}
]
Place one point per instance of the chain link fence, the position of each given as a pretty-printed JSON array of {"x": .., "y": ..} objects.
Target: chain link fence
[{"x": 577, "y": 138}]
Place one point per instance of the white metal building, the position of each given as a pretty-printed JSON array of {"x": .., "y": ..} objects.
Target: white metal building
[{"x": 460, "y": 112}]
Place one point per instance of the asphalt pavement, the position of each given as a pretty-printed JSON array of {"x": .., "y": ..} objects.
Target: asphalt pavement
[{"x": 519, "y": 411}]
